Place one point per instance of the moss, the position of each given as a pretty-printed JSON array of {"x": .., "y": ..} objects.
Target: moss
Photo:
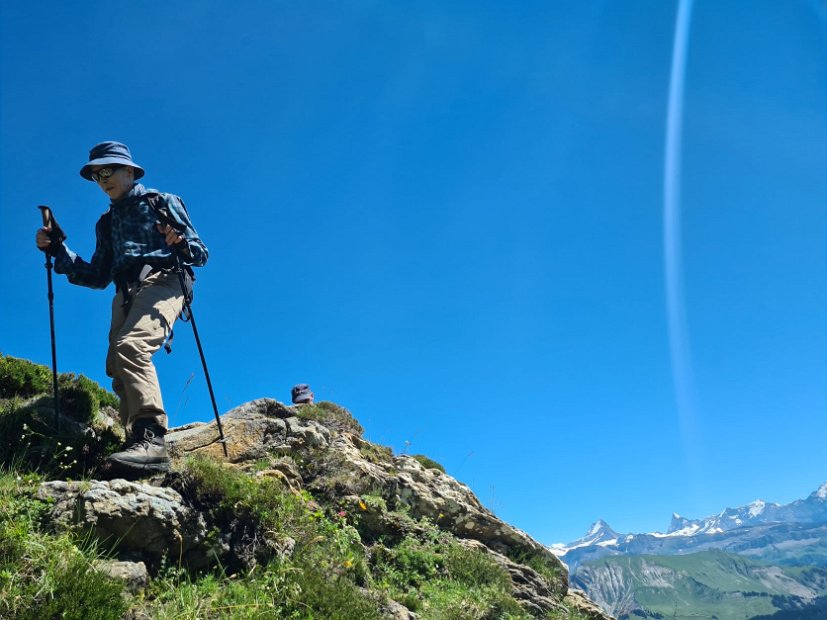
[{"x": 428, "y": 463}]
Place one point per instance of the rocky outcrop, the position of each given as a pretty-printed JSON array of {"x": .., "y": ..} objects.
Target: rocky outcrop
[
  {"x": 319, "y": 449},
  {"x": 577, "y": 600},
  {"x": 330, "y": 458}
]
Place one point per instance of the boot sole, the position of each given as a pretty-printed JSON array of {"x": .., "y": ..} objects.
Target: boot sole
[{"x": 147, "y": 468}]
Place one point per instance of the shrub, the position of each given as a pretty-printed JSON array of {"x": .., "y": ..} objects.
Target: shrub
[
  {"x": 320, "y": 578},
  {"x": 265, "y": 507},
  {"x": 33, "y": 444},
  {"x": 428, "y": 463},
  {"x": 433, "y": 575},
  {"x": 547, "y": 568},
  {"x": 22, "y": 378},
  {"x": 474, "y": 568},
  {"x": 376, "y": 454},
  {"x": 280, "y": 590},
  {"x": 332, "y": 416},
  {"x": 81, "y": 398},
  {"x": 31, "y": 439}
]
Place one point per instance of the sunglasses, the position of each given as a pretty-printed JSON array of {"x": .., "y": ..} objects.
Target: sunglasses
[{"x": 104, "y": 173}]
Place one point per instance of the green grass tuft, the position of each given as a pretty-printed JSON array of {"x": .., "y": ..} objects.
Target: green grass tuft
[
  {"x": 45, "y": 575},
  {"x": 376, "y": 454},
  {"x": 332, "y": 416},
  {"x": 428, "y": 463}
]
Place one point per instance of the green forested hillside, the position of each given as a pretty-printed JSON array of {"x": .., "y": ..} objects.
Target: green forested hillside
[{"x": 710, "y": 584}]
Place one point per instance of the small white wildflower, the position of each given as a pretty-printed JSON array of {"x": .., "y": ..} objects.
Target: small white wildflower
[{"x": 68, "y": 448}]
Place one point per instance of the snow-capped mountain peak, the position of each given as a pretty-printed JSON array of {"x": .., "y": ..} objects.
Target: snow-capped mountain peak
[
  {"x": 598, "y": 527},
  {"x": 680, "y": 523},
  {"x": 684, "y": 533},
  {"x": 756, "y": 507},
  {"x": 599, "y": 534}
]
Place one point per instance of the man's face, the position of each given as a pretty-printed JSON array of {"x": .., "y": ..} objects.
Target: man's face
[{"x": 116, "y": 184}]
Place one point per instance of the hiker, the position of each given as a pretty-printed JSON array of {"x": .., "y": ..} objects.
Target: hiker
[
  {"x": 301, "y": 394},
  {"x": 138, "y": 253}
]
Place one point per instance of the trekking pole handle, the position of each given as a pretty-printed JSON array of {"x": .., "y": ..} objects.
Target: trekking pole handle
[
  {"x": 46, "y": 214},
  {"x": 56, "y": 235}
]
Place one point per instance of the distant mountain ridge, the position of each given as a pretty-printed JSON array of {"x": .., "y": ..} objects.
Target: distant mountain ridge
[
  {"x": 810, "y": 510},
  {"x": 756, "y": 559},
  {"x": 793, "y": 534}
]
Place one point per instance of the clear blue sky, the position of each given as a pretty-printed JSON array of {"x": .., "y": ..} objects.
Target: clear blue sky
[{"x": 448, "y": 218}]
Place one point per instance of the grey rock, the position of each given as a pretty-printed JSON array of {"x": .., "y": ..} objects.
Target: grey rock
[
  {"x": 133, "y": 574},
  {"x": 397, "y": 611},
  {"x": 135, "y": 519},
  {"x": 285, "y": 470},
  {"x": 253, "y": 431}
]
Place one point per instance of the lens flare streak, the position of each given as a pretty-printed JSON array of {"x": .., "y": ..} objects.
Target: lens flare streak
[{"x": 678, "y": 332}]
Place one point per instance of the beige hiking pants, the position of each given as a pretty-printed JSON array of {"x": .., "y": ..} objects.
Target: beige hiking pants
[{"x": 134, "y": 338}]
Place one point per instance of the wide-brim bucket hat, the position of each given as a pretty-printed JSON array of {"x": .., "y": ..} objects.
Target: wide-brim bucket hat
[{"x": 110, "y": 153}]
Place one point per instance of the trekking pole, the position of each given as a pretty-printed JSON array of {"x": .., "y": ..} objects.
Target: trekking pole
[
  {"x": 57, "y": 236},
  {"x": 180, "y": 270},
  {"x": 166, "y": 218}
]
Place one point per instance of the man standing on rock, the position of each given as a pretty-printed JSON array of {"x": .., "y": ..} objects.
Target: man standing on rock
[{"x": 138, "y": 254}]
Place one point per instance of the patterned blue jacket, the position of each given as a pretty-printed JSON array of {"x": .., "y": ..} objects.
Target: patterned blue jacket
[{"x": 127, "y": 237}]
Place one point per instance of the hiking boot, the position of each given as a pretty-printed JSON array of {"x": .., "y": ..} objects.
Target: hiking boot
[{"x": 147, "y": 453}]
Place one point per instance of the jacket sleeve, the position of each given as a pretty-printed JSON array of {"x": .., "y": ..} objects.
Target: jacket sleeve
[
  {"x": 195, "y": 252},
  {"x": 97, "y": 272}
]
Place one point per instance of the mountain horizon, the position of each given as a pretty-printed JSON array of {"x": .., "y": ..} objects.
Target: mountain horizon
[
  {"x": 759, "y": 558},
  {"x": 812, "y": 509}
]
